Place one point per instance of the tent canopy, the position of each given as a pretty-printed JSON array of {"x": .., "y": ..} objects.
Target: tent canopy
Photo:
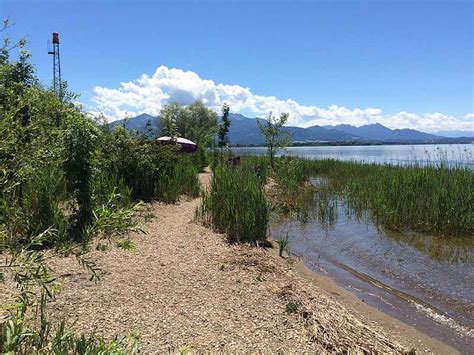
[{"x": 186, "y": 144}]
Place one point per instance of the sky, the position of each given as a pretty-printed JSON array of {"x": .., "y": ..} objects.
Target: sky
[{"x": 405, "y": 64}]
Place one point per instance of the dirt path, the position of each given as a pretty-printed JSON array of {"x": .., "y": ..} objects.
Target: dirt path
[{"x": 183, "y": 287}]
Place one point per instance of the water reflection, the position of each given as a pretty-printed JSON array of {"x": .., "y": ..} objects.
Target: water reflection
[
  {"x": 332, "y": 211},
  {"x": 436, "y": 271}
]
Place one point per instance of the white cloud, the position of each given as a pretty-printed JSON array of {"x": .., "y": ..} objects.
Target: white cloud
[{"x": 150, "y": 93}]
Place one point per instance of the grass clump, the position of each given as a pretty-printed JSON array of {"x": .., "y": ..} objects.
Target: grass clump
[
  {"x": 283, "y": 244},
  {"x": 236, "y": 205},
  {"x": 292, "y": 307}
]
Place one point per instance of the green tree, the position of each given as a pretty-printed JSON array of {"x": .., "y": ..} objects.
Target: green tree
[
  {"x": 275, "y": 137},
  {"x": 199, "y": 124},
  {"x": 223, "y": 130},
  {"x": 170, "y": 114},
  {"x": 195, "y": 122}
]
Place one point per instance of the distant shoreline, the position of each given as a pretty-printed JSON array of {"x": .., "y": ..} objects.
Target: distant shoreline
[{"x": 349, "y": 143}]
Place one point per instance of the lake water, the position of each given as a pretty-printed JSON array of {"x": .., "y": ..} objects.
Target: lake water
[
  {"x": 425, "y": 281},
  {"x": 426, "y": 154}
]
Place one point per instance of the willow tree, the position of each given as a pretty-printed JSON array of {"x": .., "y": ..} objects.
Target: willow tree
[{"x": 195, "y": 122}]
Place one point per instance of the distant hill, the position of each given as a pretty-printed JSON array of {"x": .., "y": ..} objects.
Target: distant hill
[
  {"x": 456, "y": 133},
  {"x": 140, "y": 123},
  {"x": 244, "y": 131},
  {"x": 378, "y": 132}
]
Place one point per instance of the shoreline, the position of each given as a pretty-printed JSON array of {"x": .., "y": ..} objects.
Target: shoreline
[
  {"x": 404, "y": 333},
  {"x": 184, "y": 287}
]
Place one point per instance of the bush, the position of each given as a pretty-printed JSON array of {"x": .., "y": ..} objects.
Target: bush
[
  {"x": 180, "y": 179},
  {"x": 151, "y": 170},
  {"x": 200, "y": 158},
  {"x": 236, "y": 205}
]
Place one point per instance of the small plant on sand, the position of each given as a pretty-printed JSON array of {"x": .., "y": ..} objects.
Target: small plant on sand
[
  {"x": 283, "y": 245},
  {"x": 26, "y": 328},
  {"x": 125, "y": 244},
  {"x": 292, "y": 307}
]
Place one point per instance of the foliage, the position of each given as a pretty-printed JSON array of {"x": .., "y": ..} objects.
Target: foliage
[
  {"x": 150, "y": 169},
  {"x": 79, "y": 138},
  {"x": 194, "y": 122},
  {"x": 181, "y": 179},
  {"x": 170, "y": 114},
  {"x": 224, "y": 126},
  {"x": 283, "y": 245},
  {"x": 236, "y": 205},
  {"x": 275, "y": 137},
  {"x": 112, "y": 219},
  {"x": 59, "y": 167}
]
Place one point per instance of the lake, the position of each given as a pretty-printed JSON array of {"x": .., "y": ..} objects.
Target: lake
[{"x": 425, "y": 154}]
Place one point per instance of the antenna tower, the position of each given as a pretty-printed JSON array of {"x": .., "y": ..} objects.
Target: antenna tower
[{"x": 57, "y": 85}]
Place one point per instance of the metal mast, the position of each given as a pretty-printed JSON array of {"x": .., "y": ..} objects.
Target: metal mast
[{"x": 57, "y": 85}]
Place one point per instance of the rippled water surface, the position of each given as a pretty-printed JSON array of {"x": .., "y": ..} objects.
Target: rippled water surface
[
  {"x": 423, "y": 280},
  {"x": 452, "y": 154}
]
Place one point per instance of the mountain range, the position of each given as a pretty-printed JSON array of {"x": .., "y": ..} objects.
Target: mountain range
[{"x": 244, "y": 131}]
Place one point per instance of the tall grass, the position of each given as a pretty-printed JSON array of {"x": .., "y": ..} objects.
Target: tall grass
[
  {"x": 430, "y": 199},
  {"x": 236, "y": 204},
  {"x": 180, "y": 179}
]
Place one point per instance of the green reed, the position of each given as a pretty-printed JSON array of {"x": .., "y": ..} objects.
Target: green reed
[
  {"x": 236, "y": 204},
  {"x": 432, "y": 199}
]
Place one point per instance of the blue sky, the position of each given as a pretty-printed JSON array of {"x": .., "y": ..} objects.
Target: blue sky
[{"x": 403, "y": 63}]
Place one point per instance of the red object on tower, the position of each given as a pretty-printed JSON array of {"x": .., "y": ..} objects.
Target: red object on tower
[{"x": 55, "y": 37}]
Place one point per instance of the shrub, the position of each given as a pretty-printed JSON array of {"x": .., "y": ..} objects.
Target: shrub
[
  {"x": 283, "y": 243},
  {"x": 80, "y": 137},
  {"x": 292, "y": 307},
  {"x": 151, "y": 170}
]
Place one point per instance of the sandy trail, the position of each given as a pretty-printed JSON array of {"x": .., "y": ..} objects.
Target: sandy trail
[{"x": 183, "y": 287}]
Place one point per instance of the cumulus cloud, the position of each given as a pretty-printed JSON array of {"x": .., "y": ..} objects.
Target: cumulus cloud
[{"x": 150, "y": 93}]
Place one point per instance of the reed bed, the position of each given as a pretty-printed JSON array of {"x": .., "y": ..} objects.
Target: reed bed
[
  {"x": 430, "y": 199},
  {"x": 236, "y": 205},
  {"x": 437, "y": 200}
]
